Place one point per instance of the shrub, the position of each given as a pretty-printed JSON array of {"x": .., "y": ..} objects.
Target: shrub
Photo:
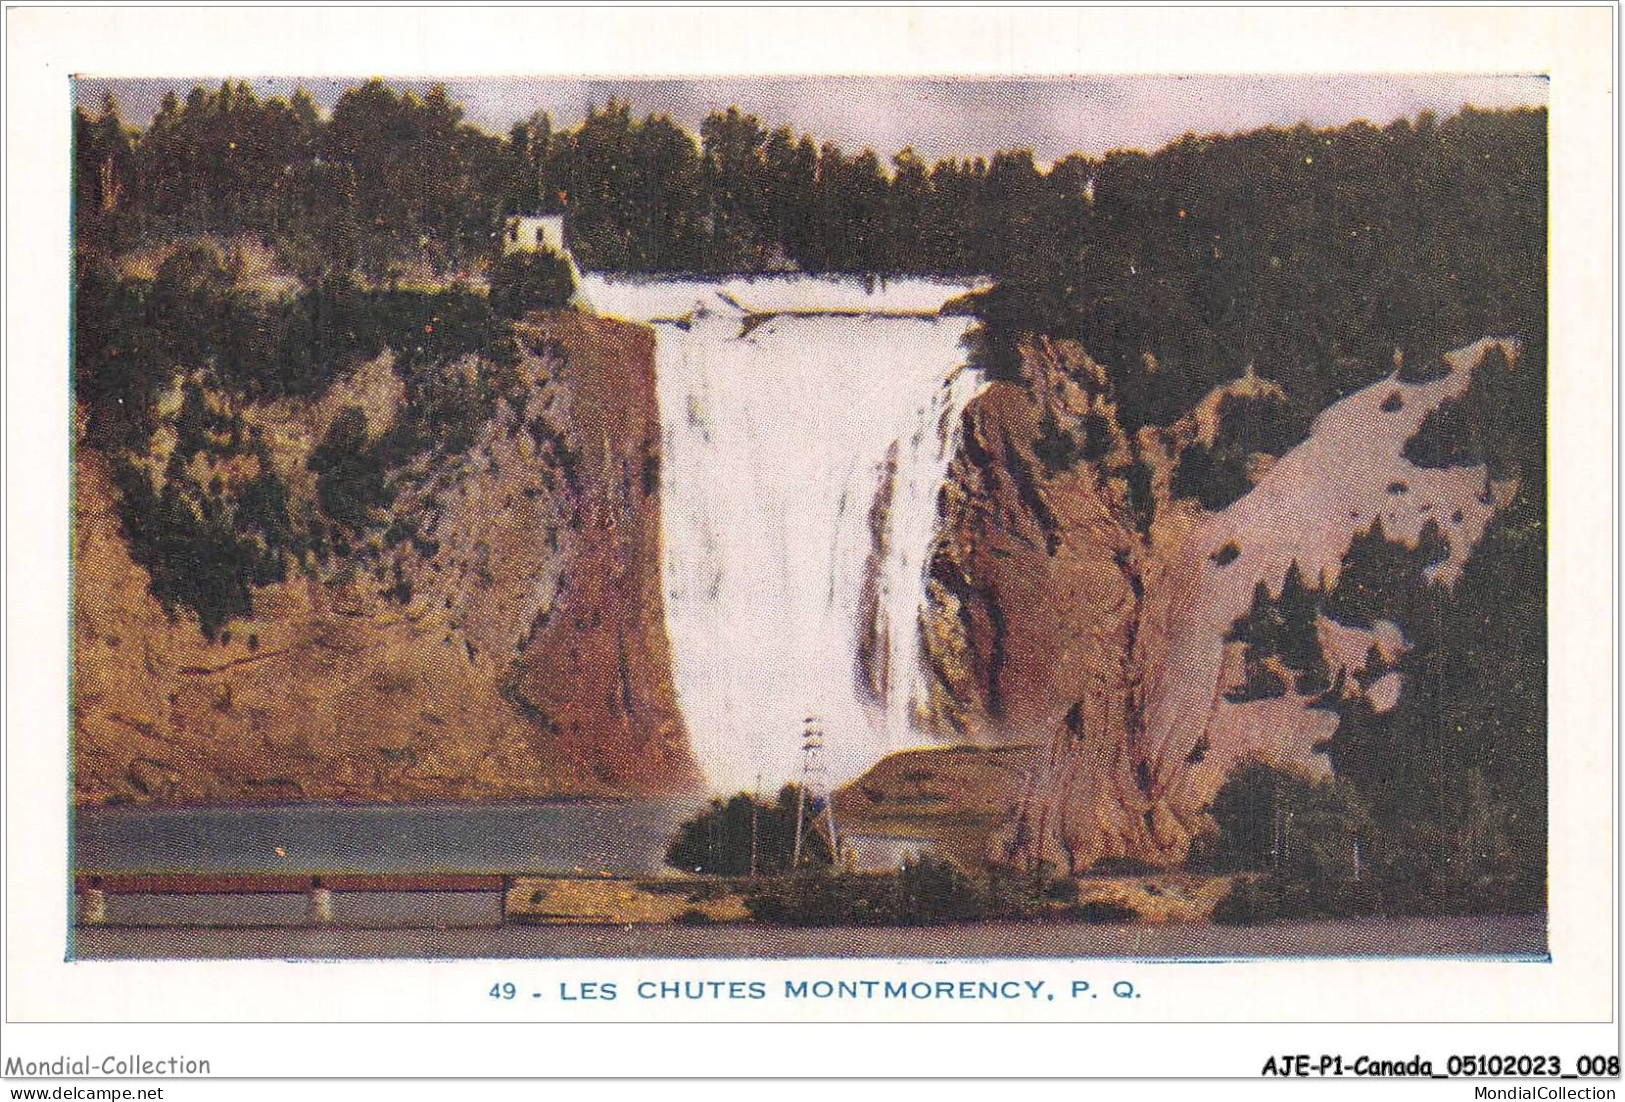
[
  {"x": 521, "y": 282},
  {"x": 705, "y": 890},
  {"x": 1013, "y": 892},
  {"x": 822, "y": 898},
  {"x": 720, "y": 840},
  {"x": 190, "y": 546},
  {"x": 451, "y": 409},
  {"x": 122, "y": 357},
  {"x": 1250, "y": 901},
  {"x": 349, "y": 472},
  {"x": 1063, "y": 889},
  {"x": 1141, "y": 499},
  {"x": 262, "y": 507},
  {"x": 1263, "y": 424},
  {"x": 1422, "y": 365},
  {"x": 1105, "y": 912},
  {"x": 1056, "y": 448},
  {"x": 1097, "y": 436},
  {"x": 925, "y": 891},
  {"x": 1260, "y": 682},
  {"x": 931, "y": 890},
  {"x": 1214, "y": 478}
]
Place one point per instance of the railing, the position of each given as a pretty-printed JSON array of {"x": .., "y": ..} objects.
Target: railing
[{"x": 93, "y": 889}]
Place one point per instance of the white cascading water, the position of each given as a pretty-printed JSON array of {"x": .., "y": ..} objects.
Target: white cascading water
[{"x": 787, "y": 404}]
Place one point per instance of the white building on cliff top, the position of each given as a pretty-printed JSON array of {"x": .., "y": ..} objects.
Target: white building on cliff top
[
  {"x": 529, "y": 233},
  {"x": 534, "y": 233}
]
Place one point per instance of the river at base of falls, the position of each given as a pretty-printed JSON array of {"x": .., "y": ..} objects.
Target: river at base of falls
[
  {"x": 624, "y": 837},
  {"x": 807, "y": 424}
]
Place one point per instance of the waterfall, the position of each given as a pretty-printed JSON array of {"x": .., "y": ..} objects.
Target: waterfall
[{"x": 807, "y": 425}]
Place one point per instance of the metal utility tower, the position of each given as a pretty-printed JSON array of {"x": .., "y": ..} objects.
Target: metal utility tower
[{"x": 814, "y": 783}]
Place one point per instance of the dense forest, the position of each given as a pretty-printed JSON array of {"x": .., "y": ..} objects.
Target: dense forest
[
  {"x": 1320, "y": 258},
  {"x": 386, "y": 176},
  {"x": 1308, "y": 253}
]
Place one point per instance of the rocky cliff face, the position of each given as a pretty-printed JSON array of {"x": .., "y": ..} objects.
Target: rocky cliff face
[
  {"x": 1033, "y": 573},
  {"x": 1036, "y": 584},
  {"x": 594, "y": 669},
  {"x": 505, "y": 638},
  {"x": 1076, "y": 604}
]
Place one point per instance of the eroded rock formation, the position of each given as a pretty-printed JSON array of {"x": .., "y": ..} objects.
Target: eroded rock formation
[
  {"x": 1076, "y": 604},
  {"x": 508, "y": 639}
]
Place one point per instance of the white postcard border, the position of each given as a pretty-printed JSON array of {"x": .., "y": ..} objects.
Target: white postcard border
[{"x": 45, "y": 45}]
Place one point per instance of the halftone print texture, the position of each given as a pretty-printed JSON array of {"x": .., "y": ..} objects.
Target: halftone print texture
[{"x": 810, "y": 517}]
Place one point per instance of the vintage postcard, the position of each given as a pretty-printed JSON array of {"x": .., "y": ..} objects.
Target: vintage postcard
[
  {"x": 863, "y": 519},
  {"x": 622, "y": 524}
]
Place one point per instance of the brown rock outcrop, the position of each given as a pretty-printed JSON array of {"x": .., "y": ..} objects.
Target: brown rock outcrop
[
  {"x": 514, "y": 646},
  {"x": 1034, "y": 575},
  {"x": 595, "y": 672},
  {"x": 1065, "y": 610}
]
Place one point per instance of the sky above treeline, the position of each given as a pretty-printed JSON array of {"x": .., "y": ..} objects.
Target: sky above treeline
[{"x": 938, "y": 117}]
